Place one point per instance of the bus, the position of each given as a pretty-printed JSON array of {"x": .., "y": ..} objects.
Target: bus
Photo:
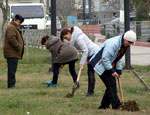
[{"x": 34, "y": 14}]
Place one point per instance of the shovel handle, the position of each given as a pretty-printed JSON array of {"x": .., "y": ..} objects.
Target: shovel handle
[
  {"x": 79, "y": 75},
  {"x": 120, "y": 89}
]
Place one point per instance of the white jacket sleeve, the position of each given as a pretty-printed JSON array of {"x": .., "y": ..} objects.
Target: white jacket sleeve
[{"x": 81, "y": 43}]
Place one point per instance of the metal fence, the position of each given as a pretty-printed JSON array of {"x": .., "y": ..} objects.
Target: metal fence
[
  {"x": 142, "y": 29},
  {"x": 34, "y": 49},
  {"x": 32, "y": 40}
]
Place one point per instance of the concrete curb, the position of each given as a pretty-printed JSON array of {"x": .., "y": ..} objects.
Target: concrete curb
[{"x": 143, "y": 44}]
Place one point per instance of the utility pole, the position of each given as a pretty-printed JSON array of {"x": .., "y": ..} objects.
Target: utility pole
[
  {"x": 84, "y": 14},
  {"x": 127, "y": 27},
  {"x": 53, "y": 18},
  {"x": 53, "y": 25},
  {"x": 90, "y": 12}
]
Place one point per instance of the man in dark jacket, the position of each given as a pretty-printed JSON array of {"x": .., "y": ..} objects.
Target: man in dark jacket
[{"x": 13, "y": 48}]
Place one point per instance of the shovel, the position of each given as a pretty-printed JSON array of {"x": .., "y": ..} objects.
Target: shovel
[
  {"x": 120, "y": 89},
  {"x": 75, "y": 86},
  {"x": 130, "y": 105}
]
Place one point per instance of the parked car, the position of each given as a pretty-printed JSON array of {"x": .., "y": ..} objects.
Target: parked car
[
  {"x": 58, "y": 23},
  {"x": 48, "y": 22}
]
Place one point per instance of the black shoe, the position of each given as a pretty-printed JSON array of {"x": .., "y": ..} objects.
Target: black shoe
[
  {"x": 102, "y": 107},
  {"x": 89, "y": 94},
  {"x": 116, "y": 108},
  {"x": 11, "y": 87}
]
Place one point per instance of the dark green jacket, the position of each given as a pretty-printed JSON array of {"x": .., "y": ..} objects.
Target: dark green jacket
[{"x": 13, "y": 42}]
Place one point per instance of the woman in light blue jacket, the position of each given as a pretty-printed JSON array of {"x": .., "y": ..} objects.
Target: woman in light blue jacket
[
  {"x": 107, "y": 63},
  {"x": 81, "y": 42}
]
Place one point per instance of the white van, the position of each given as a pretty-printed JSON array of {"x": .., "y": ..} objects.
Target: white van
[
  {"x": 48, "y": 22},
  {"x": 34, "y": 14}
]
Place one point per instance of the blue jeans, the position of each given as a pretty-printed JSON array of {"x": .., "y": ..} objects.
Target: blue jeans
[
  {"x": 12, "y": 68},
  {"x": 72, "y": 71}
]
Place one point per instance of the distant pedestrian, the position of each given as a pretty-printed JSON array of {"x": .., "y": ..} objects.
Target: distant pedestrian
[
  {"x": 107, "y": 63},
  {"x": 13, "y": 48},
  {"x": 81, "y": 42},
  {"x": 114, "y": 15},
  {"x": 96, "y": 20},
  {"x": 62, "y": 53}
]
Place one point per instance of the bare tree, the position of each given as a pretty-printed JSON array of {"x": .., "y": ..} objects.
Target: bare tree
[
  {"x": 47, "y": 6},
  {"x": 65, "y": 8},
  {"x": 4, "y": 9}
]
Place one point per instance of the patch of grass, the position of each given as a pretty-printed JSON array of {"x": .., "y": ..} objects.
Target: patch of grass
[
  {"x": 142, "y": 68},
  {"x": 134, "y": 89},
  {"x": 39, "y": 93},
  {"x": 31, "y": 95}
]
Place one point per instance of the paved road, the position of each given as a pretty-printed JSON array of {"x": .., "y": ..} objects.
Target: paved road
[{"x": 139, "y": 55}]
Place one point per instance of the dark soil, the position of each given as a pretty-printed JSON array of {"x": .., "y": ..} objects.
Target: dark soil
[
  {"x": 75, "y": 87},
  {"x": 69, "y": 95},
  {"x": 130, "y": 106}
]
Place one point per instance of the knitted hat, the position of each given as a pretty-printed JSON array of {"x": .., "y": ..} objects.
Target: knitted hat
[{"x": 130, "y": 36}]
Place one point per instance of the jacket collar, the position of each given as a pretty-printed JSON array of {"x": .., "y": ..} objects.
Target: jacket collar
[
  {"x": 122, "y": 40},
  {"x": 14, "y": 24}
]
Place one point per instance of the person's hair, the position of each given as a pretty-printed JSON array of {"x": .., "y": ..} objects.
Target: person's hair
[
  {"x": 19, "y": 17},
  {"x": 64, "y": 32},
  {"x": 44, "y": 39}
]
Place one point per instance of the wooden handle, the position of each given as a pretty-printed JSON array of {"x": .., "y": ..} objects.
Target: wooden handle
[
  {"x": 120, "y": 88},
  {"x": 79, "y": 75}
]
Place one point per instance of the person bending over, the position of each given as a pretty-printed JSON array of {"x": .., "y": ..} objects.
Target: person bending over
[
  {"x": 62, "y": 53},
  {"x": 81, "y": 42}
]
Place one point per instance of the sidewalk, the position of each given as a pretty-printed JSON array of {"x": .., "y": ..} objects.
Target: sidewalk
[{"x": 140, "y": 52}]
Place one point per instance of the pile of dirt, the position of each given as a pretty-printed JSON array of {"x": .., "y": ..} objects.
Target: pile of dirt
[
  {"x": 75, "y": 87},
  {"x": 69, "y": 95},
  {"x": 130, "y": 106}
]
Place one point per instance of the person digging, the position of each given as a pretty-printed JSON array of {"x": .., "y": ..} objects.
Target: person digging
[
  {"x": 62, "y": 53},
  {"x": 107, "y": 63}
]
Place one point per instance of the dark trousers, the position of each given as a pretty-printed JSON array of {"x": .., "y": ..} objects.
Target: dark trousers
[
  {"x": 12, "y": 68},
  {"x": 72, "y": 71},
  {"x": 91, "y": 79},
  {"x": 110, "y": 96}
]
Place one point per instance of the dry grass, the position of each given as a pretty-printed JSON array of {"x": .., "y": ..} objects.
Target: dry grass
[{"x": 33, "y": 96}]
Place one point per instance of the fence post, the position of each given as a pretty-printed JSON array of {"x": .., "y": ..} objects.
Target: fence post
[{"x": 27, "y": 47}]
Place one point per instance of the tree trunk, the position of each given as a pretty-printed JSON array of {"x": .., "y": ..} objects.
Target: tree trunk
[{"x": 4, "y": 11}]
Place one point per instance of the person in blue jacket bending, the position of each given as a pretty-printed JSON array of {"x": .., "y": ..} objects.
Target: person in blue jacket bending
[{"x": 107, "y": 63}]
